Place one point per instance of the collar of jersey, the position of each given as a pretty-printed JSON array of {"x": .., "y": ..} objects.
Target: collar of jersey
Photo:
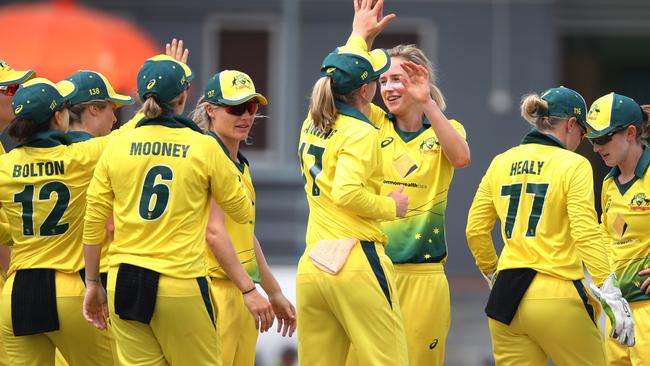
[
  {"x": 536, "y": 137},
  {"x": 79, "y": 136},
  {"x": 408, "y": 136},
  {"x": 240, "y": 156},
  {"x": 49, "y": 138},
  {"x": 349, "y": 111},
  {"x": 639, "y": 171},
  {"x": 171, "y": 121}
]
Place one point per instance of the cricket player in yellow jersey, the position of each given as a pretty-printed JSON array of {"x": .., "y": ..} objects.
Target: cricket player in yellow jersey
[
  {"x": 10, "y": 80},
  {"x": 617, "y": 125},
  {"x": 420, "y": 149},
  {"x": 44, "y": 180},
  {"x": 345, "y": 281},
  {"x": 227, "y": 110},
  {"x": 542, "y": 192},
  {"x": 158, "y": 294}
]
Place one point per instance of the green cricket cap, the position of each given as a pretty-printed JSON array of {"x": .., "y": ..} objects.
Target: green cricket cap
[
  {"x": 350, "y": 67},
  {"x": 37, "y": 99},
  {"x": 565, "y": 102},
  {"x": 164, "y": 76},
  {"x": 91, "y": 86}
]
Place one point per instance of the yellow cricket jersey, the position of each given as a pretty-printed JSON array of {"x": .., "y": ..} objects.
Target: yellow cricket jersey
[
  {"x": 626, "y": 226},
  {"x": 157, "y": 180},
  {"x": 79, "y": 136},
  {"x": 415, "y": 160},
  {"x": 543, "y": 196},
  {"x": 342, "y": 171},
  {"x": 5, "y": 233},
  {"x": 44, "y": 183},
  {"x": 241, "y": 235}
]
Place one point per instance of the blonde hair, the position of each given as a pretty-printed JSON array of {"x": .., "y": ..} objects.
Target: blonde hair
[
  {"x": 200, "y": 116},
  {"x": 533, "y": 109},
  {"x": 410, "y": 52},
  {"x": 152, "y": 109},
  {"x": 322, "y": 109}
]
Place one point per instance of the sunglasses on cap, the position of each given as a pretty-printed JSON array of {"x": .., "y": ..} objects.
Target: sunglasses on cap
[
  {"x": 9, "y": 90},
  {"x": 240, "y": 109},
  {"x": 602, "y": 140}
]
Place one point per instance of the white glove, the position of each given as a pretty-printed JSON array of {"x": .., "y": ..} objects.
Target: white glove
[
  {"x": 490, "y": 278},
  {"x": 617, "y": 310}
]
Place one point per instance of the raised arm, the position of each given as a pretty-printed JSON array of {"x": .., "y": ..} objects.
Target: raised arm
[
  {"x": 369, "y": 20},
  {"x": 451, "y": 140}
]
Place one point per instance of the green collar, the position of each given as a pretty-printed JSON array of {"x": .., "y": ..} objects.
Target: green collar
[
  {"x": 79, "y": 136},
  {"x": 639, "y": 171},
  {"x": 242, "y": 159},
  {"x": 537, "y": 137},
  {"x": 349, "y": 111},
  {"x": 407, "y": 136},
  {"x": 171, "y": 121},
  {"x": 46, "y": 139}
]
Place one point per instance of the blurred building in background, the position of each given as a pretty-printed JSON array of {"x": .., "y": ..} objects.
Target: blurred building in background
[{"x": 487, "y": 53}]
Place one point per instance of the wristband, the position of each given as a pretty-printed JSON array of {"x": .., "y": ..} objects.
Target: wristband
[{"x": 249, "y": 291}]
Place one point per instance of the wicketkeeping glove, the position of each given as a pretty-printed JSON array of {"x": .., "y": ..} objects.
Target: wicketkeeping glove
[{"x": 617, "y": 310}]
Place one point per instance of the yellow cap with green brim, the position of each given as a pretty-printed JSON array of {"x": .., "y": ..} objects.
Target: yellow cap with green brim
[
  {"x": 232, "y": 87},
  {"x": 9, "y": 76}
]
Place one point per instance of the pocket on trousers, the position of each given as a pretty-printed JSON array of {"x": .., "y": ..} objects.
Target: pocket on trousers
[
  {"x": 135, "y": 292},
  {"x": 33, "y": 302}
]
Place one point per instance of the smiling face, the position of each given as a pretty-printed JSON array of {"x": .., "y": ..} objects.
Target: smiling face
[{"x": 392, "y": 90}]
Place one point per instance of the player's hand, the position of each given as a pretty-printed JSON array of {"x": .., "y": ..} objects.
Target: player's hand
[
  {"x": 401, "y": 201},
  {"x": 369, "y": 19},
  {"x": 416, "y": 82},
  {"x": 617, "y": 310},
  {"x": 645, "y": 286},
  {"x": 261, "y": 310},
  {"x": 176, "y": 50},
  {"x": 95, "y": 306},
  {"x": 285, "y": 313}
]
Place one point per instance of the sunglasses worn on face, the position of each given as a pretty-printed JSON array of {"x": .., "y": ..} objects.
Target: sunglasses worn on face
[
  {"x": 240, "y": 109},
  {"x": 9, "y": 90},
  {"x": 602, "y": 140}
]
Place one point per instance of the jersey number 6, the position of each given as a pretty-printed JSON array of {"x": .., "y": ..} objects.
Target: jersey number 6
[
  {"x": 151, "y": 189},
  {"x": 538, "y": 190}
]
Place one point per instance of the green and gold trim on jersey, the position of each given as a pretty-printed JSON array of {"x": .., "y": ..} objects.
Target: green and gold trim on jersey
[
  {"x": 241, "y": 235},
  {"x": 626, "y": 216},
  {"x": 416, "y": 161}
]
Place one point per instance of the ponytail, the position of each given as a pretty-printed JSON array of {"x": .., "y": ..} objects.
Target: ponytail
[
  {"x": 534, "y": 110},
  {"x": 151, "y": 108},
  {"x": 321, "y": 107}
]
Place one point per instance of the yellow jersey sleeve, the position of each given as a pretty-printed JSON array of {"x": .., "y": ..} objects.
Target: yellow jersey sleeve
[
  {"x": 480, "y": 221},
  {"x": 348, "y": 191},
  {"x": 5, "y": 234},
  {"x": 228, "y": 189},
  {"x": 583, "y": 223},
  {"x": 99, "y": 204}
]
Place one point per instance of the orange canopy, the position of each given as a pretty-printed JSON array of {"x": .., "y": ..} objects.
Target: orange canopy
[{"x": 57, "y": 39}]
